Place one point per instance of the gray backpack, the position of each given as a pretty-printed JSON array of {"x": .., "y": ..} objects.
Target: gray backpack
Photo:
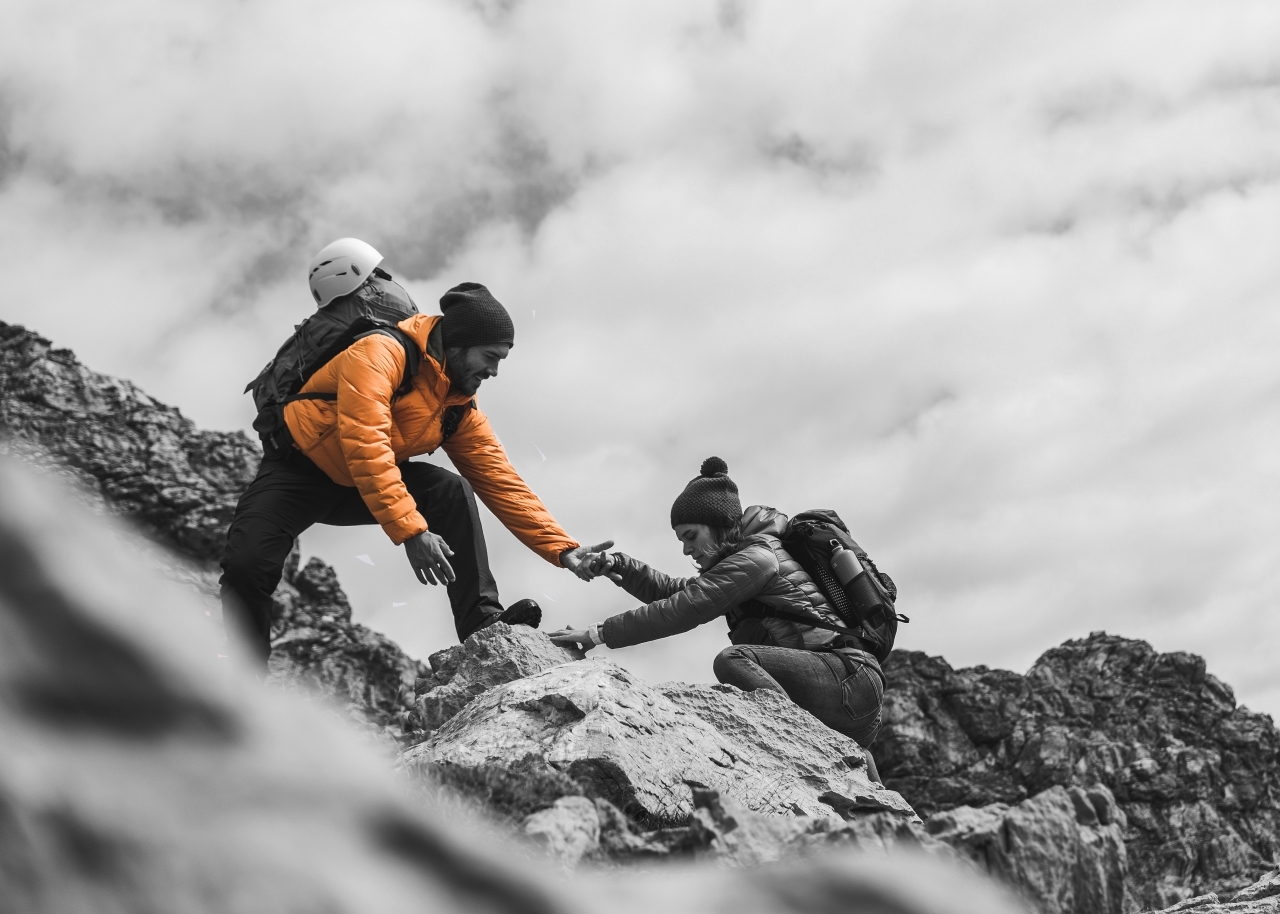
[{"x": 375, "y": 307}]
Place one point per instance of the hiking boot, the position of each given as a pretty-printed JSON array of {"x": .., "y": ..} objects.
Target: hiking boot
[{"x": 522, "y": 612}]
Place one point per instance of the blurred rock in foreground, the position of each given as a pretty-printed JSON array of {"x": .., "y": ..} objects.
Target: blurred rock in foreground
[{"x": 140, "y": 774}]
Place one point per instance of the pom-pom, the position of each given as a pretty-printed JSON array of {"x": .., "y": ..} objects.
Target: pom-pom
[{"x": 714, "y": 466}]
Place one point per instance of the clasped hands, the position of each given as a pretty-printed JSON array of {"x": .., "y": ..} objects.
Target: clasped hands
[
  {"x": 429, "y": 555},
  {"x": 588, "y": 563}
]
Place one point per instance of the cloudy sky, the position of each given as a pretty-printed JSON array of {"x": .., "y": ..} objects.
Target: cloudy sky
[{"x": 998, "y": 281}]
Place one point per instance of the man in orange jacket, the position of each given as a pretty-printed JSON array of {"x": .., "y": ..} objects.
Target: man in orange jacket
[{"x": 351, "y": 467}]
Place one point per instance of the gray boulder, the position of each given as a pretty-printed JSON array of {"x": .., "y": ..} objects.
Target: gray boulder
[
  {"x": 641, "y": 747},
  {"x": 492, "y": 656},
  {"x": 568, "y": 830},
  {"x": 1063, "y": 850}
]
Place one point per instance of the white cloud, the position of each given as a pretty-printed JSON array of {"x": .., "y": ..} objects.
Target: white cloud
[{"x": 998, "y": 282}]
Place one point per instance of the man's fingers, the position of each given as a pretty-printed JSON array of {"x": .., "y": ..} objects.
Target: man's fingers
[
  {"x": 601, "y": 547},
  {"x": 445, "y": 570},
  {"x": 444, "y": 547}
]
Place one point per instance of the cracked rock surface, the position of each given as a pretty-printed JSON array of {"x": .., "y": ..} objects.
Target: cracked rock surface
[
  {"x": 1064, "y": 850},
  {"x": 639, "y": 747},
  {"x": 1196, "y": 776},
  {"x": 492, "y": 656},
  {"x": 1263, "y": 897}
]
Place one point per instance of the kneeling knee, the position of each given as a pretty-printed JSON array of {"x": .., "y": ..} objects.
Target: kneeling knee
[{"x": 726, "y": 662}]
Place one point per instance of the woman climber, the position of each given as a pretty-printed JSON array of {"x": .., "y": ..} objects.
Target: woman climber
[{"x": 740, "y": 558}]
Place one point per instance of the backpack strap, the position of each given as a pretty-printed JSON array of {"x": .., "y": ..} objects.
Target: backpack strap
[
  {"x": 453, "y": 417},
  {"x": 756, "y": 609},
  {"x": 412, "y": 362}
]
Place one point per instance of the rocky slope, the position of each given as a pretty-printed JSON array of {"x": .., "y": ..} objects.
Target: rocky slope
[
  {"x": 596, "y": 766},
  {"x": 137, "y": 774},
  {"x": 1013, "y": 772},
  {"x": 640, "y": 747},
  {"x": 144, "y": 461},
  {"x": 1196, "y": 776}
]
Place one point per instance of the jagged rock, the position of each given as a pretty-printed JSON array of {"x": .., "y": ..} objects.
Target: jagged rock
[
  {"x": 492, "y": 656},
  {"x": 737, "y": 836},
  {"x": 138, "y": 773},
  {"x": 1263, "y": 897},
  {"x": 1266, "y": 887},
  {"x": 637, "y": 747},
  {"x": 144, "y": 461},
  {"x": 575, "y": 828},
  {"x": 1197, "y": 776},
  {"x": 1063, "y": 850},
  {"x": 568, "y": 830},
  {"x": 317, "y": 648}
]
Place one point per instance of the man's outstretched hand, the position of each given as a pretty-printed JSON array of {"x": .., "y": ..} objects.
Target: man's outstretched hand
[
  {"x": 579, "y": 560},
  {"x": 428, "y": 554}
]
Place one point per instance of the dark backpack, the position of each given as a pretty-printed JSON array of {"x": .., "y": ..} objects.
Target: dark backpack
[
  {"x": 807, "y": 539},
  {"x": 375, "y": 307}
]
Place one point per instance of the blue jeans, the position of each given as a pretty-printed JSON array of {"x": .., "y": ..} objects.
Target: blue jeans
[{"x": 844, "y": 692}]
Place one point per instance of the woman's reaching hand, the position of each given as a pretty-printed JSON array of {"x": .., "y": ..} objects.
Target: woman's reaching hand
[
  {"x": 571, "y": 637},
  {"x": 584, "y": 560}
]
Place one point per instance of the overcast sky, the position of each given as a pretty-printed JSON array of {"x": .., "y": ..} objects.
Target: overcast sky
[{"x": 997, "y": 281}]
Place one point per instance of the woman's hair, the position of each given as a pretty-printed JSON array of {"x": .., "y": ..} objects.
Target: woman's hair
[{"x": 728, "y": 539}]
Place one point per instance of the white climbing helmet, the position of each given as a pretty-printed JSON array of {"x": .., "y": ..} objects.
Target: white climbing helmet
[{"x": 340, "y": 268}]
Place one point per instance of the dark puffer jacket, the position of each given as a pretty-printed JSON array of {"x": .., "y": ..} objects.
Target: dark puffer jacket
[{"x": 759, "y": 569}]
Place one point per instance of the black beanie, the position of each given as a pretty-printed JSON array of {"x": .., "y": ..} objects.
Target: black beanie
[
  {"x": 711, "y": 498},
  {"x": 473, "y": 317}
]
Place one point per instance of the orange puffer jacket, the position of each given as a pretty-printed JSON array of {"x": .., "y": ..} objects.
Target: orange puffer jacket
[{"x": 359, "y": 439}]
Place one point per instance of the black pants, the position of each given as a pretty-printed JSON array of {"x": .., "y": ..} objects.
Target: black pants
[{"x": 288, "y": 496}]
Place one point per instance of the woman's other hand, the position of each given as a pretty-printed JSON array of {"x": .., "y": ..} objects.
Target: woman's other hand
[{"x": 572, "y": 637}]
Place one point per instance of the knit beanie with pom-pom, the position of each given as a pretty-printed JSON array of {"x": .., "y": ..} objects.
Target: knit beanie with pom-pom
[{"x": 711, "y": 498}]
